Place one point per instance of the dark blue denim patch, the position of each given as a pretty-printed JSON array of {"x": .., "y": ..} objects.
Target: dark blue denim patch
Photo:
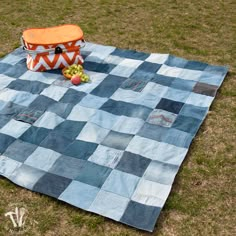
[
  {"x": 42, "y": 103},
  {"x": 72, "y": 96},
  {"x": 69, "y": 129},
  {"x": 34, "y": 135},
  {"x": 126, "y": 109},
  {"x": 20, "y": 150},
  {"x": 134, "y": 85},
  {"x": 142, "y": 75},
  {"x": 61, "y": 109},
  {"x": 149, "y": 67},
  {"x": 34, "y": 87},
  {"x": 80, "y": 149},
  {"x": 29, "y": 115},
  {"x": 66, "y": 166},
  {"x": 93, "y": 174},
  {"x": 56, "y": 142},
  {"x": 98, "y": 67},
  {"x": 196, "y": 65},
  {"x": 194, "y": 111},
  {"x": 154, "y": 132},
  {"x": 108, "y": 86},
  {"x": 187, "y": 124},
  {"x": 141, "y": 216},
  {"x": 5, "y": 141},
  {"x": 3, "y": 121},
  {"x": 133, "y": 164},
  {"x": 170, "y": 105},
  {"x": 162, "y": 79},
  {"x": 51, "y": 185},
  {"x": 131, "y": 54},
  {"x": 17, "y": 70}
]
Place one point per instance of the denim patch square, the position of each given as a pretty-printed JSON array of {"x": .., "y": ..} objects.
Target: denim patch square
[
  {"x": 34, "y": 135},
  {"x": 33, "y": 87},
  {"x": 133, "y": 164},
  {"x": 162, "y": 118},
  {"x": 194, "y": 111},
  {"x": 176, "y": 95},
  {"x": 154, "y": 132},
  {"x": 67, "y": 167},
  {"x": 117, "y": 140},
  {"x": 149, "y": 67},
  {"x": 80, "y": 149},
  {"x": 56, "y": 142},
  {"x": 126, "y": 109},
  {"x": 72, "y": 96},
  {"x": 20, "y": 150},
  {"x": 93, "y": 133},
  {"x": 29, "y": 115},
  {"x": 14, "y": 128},
  {"x": 134, "y": 85},
  {"x": 42, "y": 103},
  {"x": 6, "y": 141},
  {"x": 145, "y": 147},
  {"x": 104, "y": 119},
  {"x": 86, "y": 193},
  {"x": 140, "y": 215},
  {"x": 178, "y": 138},
  {"x": 51, "y": 185},
  {"x": 176, "y": 61},
  {"x": 108, "y": 86},
  {"x": 170, "y": 105},
  {"x": 109, "y": 204},
  {"x": 121, "y": 183},
  {"x": 98, "y": 67},
  {"x": 162, "y": 173},
  {"x": 18, "y": 97},
  {"x": 5, "y": 81},
  {"x": 92, "y": 101},
  {"x": 196, "y": 65},
  {"x": 132, "y": 54},
  {"x": 8, "y": 166},
  {"x": 93, "y": 174},
  {"x": 151, "y": 193},
  {"x": 54, "y": 92},
  {"x": 61, "y": 109},
  {"x": 106, "y": 156},
  {"x": 17, "y": 70},
  {"x": 69, "y": 129},
  {"x": 162, "y": 80},
  {"x": 42, "y": 158},
  {"x": 205, "y": 89},
  {"x": 187, "y": 124},
  {"x": 26, "y": 176},
  {"x": 186, "y": 85}
]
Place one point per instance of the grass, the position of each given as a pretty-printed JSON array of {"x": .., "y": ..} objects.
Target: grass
[{"x": 202, "y": 201}]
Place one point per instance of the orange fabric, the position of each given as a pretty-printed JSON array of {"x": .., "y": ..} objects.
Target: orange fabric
[{"x": 53, "y": 35}]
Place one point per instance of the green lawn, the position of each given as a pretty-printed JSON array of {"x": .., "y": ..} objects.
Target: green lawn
[{"x": 202, "y": 201}]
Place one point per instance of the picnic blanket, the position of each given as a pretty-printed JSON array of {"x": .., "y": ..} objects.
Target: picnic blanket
[{"x": 112, "y": 146}]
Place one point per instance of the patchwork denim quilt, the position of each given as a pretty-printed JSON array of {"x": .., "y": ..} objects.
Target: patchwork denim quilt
[{"x": 112, "y": 146}]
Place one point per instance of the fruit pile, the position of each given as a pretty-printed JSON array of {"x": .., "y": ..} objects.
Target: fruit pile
[{"x": 76, "y": 74}]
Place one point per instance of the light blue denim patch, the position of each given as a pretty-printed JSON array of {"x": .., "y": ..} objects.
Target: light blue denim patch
[{"x": 79, "y": 194}]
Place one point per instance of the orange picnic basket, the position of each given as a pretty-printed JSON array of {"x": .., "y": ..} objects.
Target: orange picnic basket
[{"x": 53, "y": 47}]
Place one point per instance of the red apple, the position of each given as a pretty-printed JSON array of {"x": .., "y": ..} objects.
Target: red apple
[{"x": 76, "y": 80}]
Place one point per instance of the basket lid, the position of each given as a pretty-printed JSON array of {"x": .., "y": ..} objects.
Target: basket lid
[{"x": 53, "y": 35}]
